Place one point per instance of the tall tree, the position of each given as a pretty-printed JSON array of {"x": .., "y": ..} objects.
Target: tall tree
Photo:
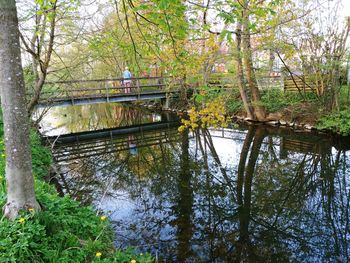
[
  {"x": 246, "y": 13},
  {"x": 45, "y": 27},
  {"x": 247, "y": 21},
  {"x": 19, "y": 178}
]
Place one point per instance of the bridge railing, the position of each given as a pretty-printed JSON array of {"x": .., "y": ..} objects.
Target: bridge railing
[{"x": 107, "y": 87}]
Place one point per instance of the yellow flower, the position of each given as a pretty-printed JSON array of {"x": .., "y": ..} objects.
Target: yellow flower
[
  {"x": 133, "y": 261},
  {"x": 3, "y": 155},
  {"x": 31, "y": 209},
  {"x": 98, "y": 254},
  {"x": 21, "y": 220},
  {"x": 103, "y": 218}
]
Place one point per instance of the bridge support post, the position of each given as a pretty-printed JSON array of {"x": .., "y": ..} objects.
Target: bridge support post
[
  {"x": 165, "y": 116},
  {"x": 166, "y": 102}
]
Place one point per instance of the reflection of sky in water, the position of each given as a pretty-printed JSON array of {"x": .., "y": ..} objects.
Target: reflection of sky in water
[
  {"x": 227, "y": 143},
  {"x": 228, "y": 149},
  {"x": 116, "y": 208}
]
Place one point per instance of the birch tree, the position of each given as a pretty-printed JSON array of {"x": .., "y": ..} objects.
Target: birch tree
[{"x": 19, "y": 178}]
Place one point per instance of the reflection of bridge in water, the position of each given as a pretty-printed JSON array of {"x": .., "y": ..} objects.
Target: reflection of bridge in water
[
  {"x": 81, "y": 145},
  {"x": 289, "y": 141},
  {"x": 93, "y": 143}
]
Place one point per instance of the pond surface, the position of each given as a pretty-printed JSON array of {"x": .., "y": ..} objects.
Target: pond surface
[{"x": 246, "y": 194}]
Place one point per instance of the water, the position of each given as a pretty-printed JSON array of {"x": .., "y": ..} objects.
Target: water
[{"x": 247, "y": 194}]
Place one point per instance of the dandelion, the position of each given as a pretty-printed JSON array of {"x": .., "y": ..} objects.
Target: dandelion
[
  {"x": 21, "y": 220},
  {"x": 133, "y": 261},
  {"x": 31, "y": 209},
  {"x": 103, "y": 218},
  {"x": 98, "y": 254}
]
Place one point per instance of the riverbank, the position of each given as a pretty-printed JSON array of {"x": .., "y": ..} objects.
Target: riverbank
[
  {"x": 64, "y": 231},
  {"x": 284, "y": 109},
  {"x": 305, "y": 122}
]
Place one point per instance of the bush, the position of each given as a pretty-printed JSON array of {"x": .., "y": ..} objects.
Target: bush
[
  {"x": 234, "y": 105},
  {"x": 63, "y": 231},
  {"x": 274, "y": 100},
  {"x": 206, "y": 94},
  {"x": 344, "y": 96},
  {"x": 338, "y": 122}
]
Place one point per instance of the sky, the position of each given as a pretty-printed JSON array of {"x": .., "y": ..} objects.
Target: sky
[{"x": 346, "y": 9}]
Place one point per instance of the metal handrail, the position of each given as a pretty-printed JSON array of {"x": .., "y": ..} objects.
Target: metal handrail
[{"x": 102, "y": 80}]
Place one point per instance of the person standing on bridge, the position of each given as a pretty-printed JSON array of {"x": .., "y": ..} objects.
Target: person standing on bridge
[{"x": 127, "y": 80}]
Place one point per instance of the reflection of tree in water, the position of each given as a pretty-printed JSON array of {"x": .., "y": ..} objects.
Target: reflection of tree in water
[
  {"x": 99, "y": 116},
  {"x": 183, "y": 207},
  {"x": 193, "y": 204},
  {"x": 287, "y": 210}
]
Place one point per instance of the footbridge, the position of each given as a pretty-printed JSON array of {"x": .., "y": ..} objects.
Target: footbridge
[{"x": 77, "y": 92}]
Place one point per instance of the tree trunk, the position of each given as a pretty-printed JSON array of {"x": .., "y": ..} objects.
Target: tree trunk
[
  {"x": 19, "y": 178},
  {"x": 259, "y": 110},
  {"x": 239, "y": 72}
]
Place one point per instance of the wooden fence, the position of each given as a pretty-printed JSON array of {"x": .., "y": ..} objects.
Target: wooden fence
[{"x": 298, "y": 84}]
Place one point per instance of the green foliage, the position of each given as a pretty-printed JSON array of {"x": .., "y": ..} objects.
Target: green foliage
[
  {"x": 275, "y": 99},
  {"x": 338, "y": 122},
  {"x": 128, "y": 255},
  {"x": 234, "y": 105},
  {"x": 21, "y": 241},
  {"x": 41, "y": 156},
  {"x": 29, "y": 78},
  {"x": 206, "y": 94},
  {"x": 234, "y": 102},
  {"x": 63, "y": 231},
  {"x": 344, "y": 97}
]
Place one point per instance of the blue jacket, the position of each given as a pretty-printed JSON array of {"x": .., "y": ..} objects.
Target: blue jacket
[{"x": 126, "y": 74}]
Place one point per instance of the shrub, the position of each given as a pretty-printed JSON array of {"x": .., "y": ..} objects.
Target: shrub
[
  {"x": 275, "y": 99},
  {"x": 338, "y": 122},
  {"x": 234, "y": 102},
  {"x": 212, "y": 114},
  {"x": 206, "y": 94}
]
